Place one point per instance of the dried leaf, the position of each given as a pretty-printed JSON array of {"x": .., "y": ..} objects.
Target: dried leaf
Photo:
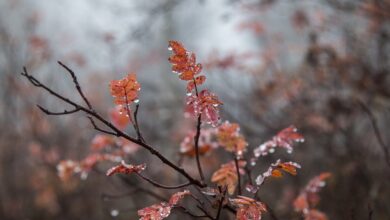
[
  {"x": 163, "y": 209},
  {"x": 227, "y": 175},
  {"x": 184, "y": 63},
  {"x": 119, "y": 117},
  {"x": 187, "y": 146},
  {"x": 284, "y": 139},
  {"x": 206, "y": 104},
  {"x": 126, "y": 169},
  {"x": 248, "y": 209},
  {"x": 309, "y": 198},
  {"x": 230, "y": 139},
  {"x": 275, "y": 170},
  {"x": 125, "y": 91},
  {"x": 175, "y": 198},
  {"x": 101, "y": 141}
]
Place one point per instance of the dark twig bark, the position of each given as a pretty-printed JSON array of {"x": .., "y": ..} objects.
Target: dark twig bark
[
  {"x": 220, "y": 206},
  {"x": 154, "y": 183},
  {"x": 77, "y": 85},
  {"x": 196, "y": 138},
  {"x": 137, "y": 128},
  {"x": 238, "y": 174},
  {"x": 65, "y": 112},
  {"x": 114, "y": 129},
  {"x": 376, "y": 131}
]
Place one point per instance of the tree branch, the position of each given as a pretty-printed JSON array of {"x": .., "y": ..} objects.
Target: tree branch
[
  {"x": 196, "y": 138},
  {"x": 376, "y": 131},
  {"x": 221, "y": 203},
  {"x": 65, "y": 112},
  {"x": 154, "y": 183},
  {"x": 137, "y": 129},
  {"x": 115, "y": 130},
  {"x": 238, "y": 174},
  {"x": 76, "y": 83}
]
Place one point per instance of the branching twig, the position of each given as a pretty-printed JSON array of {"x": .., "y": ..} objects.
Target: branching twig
[
  {"x": 76, "y": 83},
  {"x": 65, "y": 112},
  {"x": 154, "y": 183},
  {"x": 220, "y": 206},
  {"x": 115, "y": 130},
  {"x": 196, "y": 138},
  {"x": 376, "y": 131},
  {"x": 238, "y": 175},
  {"x": 136, "y": 125},
  {"x": 188, "y": 212}
]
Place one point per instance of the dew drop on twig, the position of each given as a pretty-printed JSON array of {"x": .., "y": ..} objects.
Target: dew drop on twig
[{"x": 114, "y": 213}]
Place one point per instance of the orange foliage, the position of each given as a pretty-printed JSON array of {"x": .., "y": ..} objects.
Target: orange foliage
[
  {"x": 125, "y": 90},
  {"x": 229, "y": 138},
  {"x": 248, "y": 208},
  {"x": 126, "y": 169},
  {"x": 227, "y": 175}
]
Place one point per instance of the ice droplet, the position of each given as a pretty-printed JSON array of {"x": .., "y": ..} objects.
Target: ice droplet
[
  {"x": 253, "y": 162},
  {"x": 251, "y": 188},
  {"x": 114, "y": 213},
  {"x": 259, "y": 180},
  {"x": 84, "y": 175}
]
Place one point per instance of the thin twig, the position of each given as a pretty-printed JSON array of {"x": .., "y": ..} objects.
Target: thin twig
[
  {"x": 65, "y": 112},
  {"x": 100, "y": 129},
  {"x": 196, "y": 138},
  {"x": 376, "y": 131},
  {"x": 137, "y": 129},
  {"x": 115, "y": 130},
  {"x": 238, "y": 174},
  {"x": 154, "y": 183},
  {"x": 76, "y": 83},
  {"x": 204, "y": 211},
  {"x": 188, "y": 212},
  {"x": 220, "y": 206}
]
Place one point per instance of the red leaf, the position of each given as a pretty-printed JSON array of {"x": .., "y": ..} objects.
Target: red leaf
[
  {"x": 206, "y": 104},
  {"x": 227, "y": 175},
  {"x": 163, "y": 209},
  {"x": 275, "y": 170},
  {"x": 284, "y": 139},
  {"x": 199, "y": 80},
  {"x": 126, "y": 169},
  {"x": 155, "y": 212},
  {"x": 230, "y": 139},
  {"x": 187, "y": 146},
  {"x": 119, "y": 117},
  {"x": 309, "y": 198},
  {"x": 125, "y": 90},
  {"x": 101, "y": 141},
  {"x": 175, "y": 198},
  {"x": 248, "y": 209},
  {"x": 184, "y": 63}
]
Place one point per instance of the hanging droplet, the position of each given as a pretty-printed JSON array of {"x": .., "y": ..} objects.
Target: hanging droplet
[
  {"x": 289, "y": 151},
  {"x": 253, "y": 162},
  {"x": 114, "y": 213},
  {"x": 84, "y": 175},
  {"x": 170, "y": 48},
  {"x": 251, "y": 188},
  {"x": 271, "y": 150},
  {"x": 136, "y": 101}
]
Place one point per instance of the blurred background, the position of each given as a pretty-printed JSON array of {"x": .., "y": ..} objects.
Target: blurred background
[{"x": 320, "y": 65}]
